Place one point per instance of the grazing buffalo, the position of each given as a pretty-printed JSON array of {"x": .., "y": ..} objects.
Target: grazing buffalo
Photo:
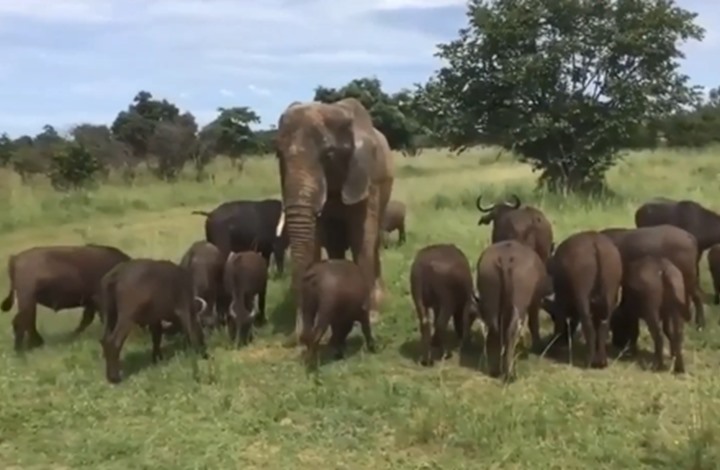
[
  {"x": 205, "y": 263},
  {"x": 653, "y": 289},
  {"x": 701, "y": 222},
  {"x": 441, "y": 282},
  {"x": 394, "y": 220},
  {"x": 246, "y": 276},
  {"x": 511, "y": 282},
  {"x": 147, "y": 292},
  {"x": 248, "y": 225},
  {"x": 59, "y": 278},
  {"x": 586, "y": 269},
  {"x": 713, "y": 258},
  {"x": 664, "y": 241},
  {"x": 526, "y": 224},
  {"x": 336, "y": 294}
]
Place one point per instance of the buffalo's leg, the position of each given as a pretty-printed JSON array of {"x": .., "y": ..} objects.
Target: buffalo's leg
[
  {"x": 25, "y": 322},
  {"x": 88, "y": 315},
  {"x": 112, "y": 344},
  {"x": 653, "y": 324},
  {"x": 492, "y": 345},
  {"x": 534, "y": 325},
  {"x": 441, "y": 323},
  {"x": 423, "y": 315},
  {"x": 676, "y": 343},
  {"x": 458, "y": 321},
  {"x": 401, "y": 235},
  {"x": 340, "y": 332},
  {"x": 193, "y": 331},
  {"x": 511, "y": 334},
  {"x": 261, "y": 319},
  {"x": 367, "y": 332},
  {"x": 699, "y": 307},
  {"x": 156, "y": 333}
]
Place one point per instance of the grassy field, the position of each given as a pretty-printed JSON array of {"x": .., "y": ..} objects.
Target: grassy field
[{"x": 258, "y": 408}]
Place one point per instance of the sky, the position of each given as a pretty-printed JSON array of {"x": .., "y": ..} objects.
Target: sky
[{"x": 66, "y": 62}]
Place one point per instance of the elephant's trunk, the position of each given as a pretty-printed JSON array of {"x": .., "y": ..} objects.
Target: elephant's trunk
[{"x": 301, "y": 226}]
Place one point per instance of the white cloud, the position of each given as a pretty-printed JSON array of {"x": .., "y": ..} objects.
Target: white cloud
[
  {"x": 226, "y": 92},
  {"x": 258, "y": 90}
]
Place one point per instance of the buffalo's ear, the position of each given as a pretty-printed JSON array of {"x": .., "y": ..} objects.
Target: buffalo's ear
[{"x": 357, "y": 183}]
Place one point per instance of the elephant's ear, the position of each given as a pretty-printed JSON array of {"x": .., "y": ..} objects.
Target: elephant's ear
[{"x": 357, "y": 183}]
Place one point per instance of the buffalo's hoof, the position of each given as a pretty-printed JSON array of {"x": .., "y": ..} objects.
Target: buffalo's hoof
[
  {"x": 427, "y": 362},
  {"x": 371, "y": 347},
  {"x": 114, "y": 378}
]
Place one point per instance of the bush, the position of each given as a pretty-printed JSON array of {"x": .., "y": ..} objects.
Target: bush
[{"x": 74, "y": 167}]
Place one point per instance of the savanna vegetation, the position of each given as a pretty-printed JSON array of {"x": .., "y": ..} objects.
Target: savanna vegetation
[{"x": 587, "y": 93}]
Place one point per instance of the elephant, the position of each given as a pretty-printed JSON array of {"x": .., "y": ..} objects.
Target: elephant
[{"x": 336, "y": 176}]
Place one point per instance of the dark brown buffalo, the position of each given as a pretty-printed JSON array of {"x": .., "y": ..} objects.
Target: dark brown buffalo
[
  {"x": 246, "y": 277},
  {"x": 394, "y": 220},
  {"x": 525, "y": 224},
  {"x": 586, "y": 269},
  {"x": 205, "y": 263},
  {"x": 696, "y": 219},
  {"x": 335, "y": 294},
  {"x": 511, "y": 282},
  {"x": 441, "y": 282},
  {"x": 147, "y": 292},
  {"x": 59, "y": 278},
  {"x": 713, "y": 258},
  {"x": 653, "y": 289},
  {"x": 664, "y": 241}
]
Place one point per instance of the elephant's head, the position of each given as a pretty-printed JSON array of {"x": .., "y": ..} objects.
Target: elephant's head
[
  {"x": 323, "y": 151},
  {"x": 495, "y": 211}
]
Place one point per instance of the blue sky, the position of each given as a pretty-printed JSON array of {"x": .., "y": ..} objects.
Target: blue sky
[{"x": 72, "y": 61}]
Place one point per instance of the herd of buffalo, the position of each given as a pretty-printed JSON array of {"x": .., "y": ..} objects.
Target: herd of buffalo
[{"x": 336, "y": 174}]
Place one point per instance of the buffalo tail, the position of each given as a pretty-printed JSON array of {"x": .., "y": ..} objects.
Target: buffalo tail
[
  {"x": 10, "y": 299},
  {"x": 507, "y": 295},
  {"x": 206, "y": 214},
  {"x": 108, "y": 302}
]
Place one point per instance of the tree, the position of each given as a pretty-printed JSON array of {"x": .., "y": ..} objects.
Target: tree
[
  {"x": 98, "y": 140},
  {"x": 6, "y": 150},
  {"x": 174, "y": 143},
  {"x": 561, "y": 82},
  {"x": 385, "y": 110},
  {"x": 136, "y": 125},
  {"x": 230, "y": 133}
]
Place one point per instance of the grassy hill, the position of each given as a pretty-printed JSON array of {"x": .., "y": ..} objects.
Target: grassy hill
[{"x": 258, "y": 408}]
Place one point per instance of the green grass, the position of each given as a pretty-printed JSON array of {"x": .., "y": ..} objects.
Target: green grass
[{"x": 258, "y": 408}]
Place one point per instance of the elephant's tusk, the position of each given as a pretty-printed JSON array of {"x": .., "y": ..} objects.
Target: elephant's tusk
[{"x": 281, "y": 224}]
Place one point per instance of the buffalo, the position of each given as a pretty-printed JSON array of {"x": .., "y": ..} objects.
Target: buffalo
[
  {"x": 334, "y": 294},
  {"x": 586, "y": 270},
  {"x": 511, "y": 282},
  {"x": 245, "y": 278},
  {"x": 394, "y": 220},
  {"x": 690, "y": 216},
  {"x": 59, "y": 278},
  {"x": 664, "y": 241},
  {"x": 713, "y": 259},
  {"x": 526, "y": 224},
  {"x": 147, "y": 292},
  {"x": 653, "y": 289},
  {"x": 441, "y": 282},
  {"x": 205, "y": 263},
  {"x": 236, "y": 226}
]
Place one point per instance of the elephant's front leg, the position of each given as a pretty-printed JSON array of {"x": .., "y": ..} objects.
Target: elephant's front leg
[{"x": 365, "y": 243}]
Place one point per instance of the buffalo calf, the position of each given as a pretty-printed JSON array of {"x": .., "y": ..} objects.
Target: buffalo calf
[
  {"x": 511, "y": 281},
  {"x": 653, "y": 288},
  {"x": 394, "y": 220},
  {"x": 334, "y": 294},
  {"x": 441, "y": 283},
  {"x": 147, "y": 292},
  {"x": 587, "y": 271},
  {"x": 713, "y": 258},
  {"x": 59, "y": 278},
  {"x": 205, "y": 263},
  {"x": 246, "y": 277}
]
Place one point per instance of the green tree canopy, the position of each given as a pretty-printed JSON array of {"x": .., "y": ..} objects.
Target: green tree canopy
[{"x": 561, "y": 82}]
